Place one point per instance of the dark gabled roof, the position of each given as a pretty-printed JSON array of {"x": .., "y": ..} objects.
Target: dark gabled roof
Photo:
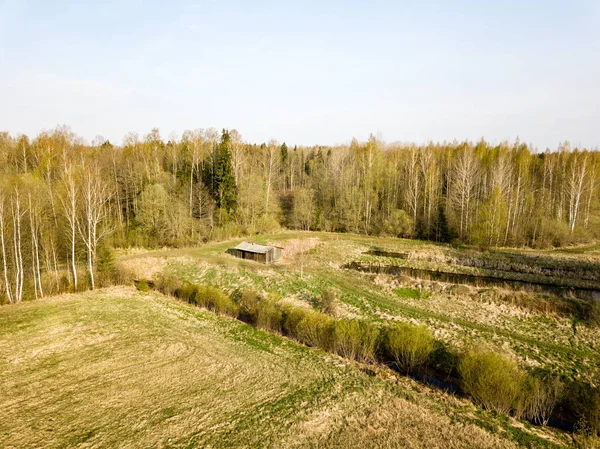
[{"x": 253, "y": 248}]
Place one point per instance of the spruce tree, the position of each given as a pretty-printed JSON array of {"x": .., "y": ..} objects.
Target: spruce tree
[
  {"x": 442, "y": 232},
  {"x": 226, "y": 190}
]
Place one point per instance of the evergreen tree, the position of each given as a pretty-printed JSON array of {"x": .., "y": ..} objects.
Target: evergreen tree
[
  {"x": 442, "y": 232},
  {"x": 226, "y": 190}
]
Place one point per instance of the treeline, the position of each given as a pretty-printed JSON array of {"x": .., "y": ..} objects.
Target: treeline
[
  {"x": 63, "y": 202},
  {"x": 489, "y": 379}
]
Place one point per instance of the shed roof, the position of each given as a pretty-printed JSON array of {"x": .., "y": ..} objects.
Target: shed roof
[{"x": 253, "y": 248}]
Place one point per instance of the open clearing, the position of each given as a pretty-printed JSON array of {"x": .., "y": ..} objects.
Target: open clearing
[
  {"x": 118, "y": 368},
  {"x": 462, "y": 316}
]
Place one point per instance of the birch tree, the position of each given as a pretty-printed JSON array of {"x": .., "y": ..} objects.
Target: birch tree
[
  {"x": 70, "y": 205},
  {"x": 91, "y": 220},
  {"x": 7, "y": 285}
]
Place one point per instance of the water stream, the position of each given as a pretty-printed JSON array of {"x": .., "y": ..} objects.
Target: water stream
[{"x": 477, "y": 280}]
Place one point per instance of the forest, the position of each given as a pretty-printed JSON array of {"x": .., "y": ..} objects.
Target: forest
[{"x": 65, "y": 204}]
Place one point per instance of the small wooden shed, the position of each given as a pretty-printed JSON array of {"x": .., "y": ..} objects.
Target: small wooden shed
[{"x": 258, "y": 253}]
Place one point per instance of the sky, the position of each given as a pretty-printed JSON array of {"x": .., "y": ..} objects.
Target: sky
[{"x": 305, "y": 72}]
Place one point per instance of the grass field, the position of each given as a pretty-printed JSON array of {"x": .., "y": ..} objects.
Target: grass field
[
  {"x": 462, "y": 316},
  {"x": 118, "y": 368}
]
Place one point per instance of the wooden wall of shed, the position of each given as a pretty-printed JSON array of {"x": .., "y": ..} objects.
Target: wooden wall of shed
[
  {"x": 251, "y": 256},
  {"x": 270, "y": 256}
]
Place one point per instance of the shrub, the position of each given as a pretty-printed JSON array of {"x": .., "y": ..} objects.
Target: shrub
[
  {"x": 491, "y": 380},
  {"x": 142, "y": 285},
  {"x": 248, "y": 301},
  {"x": 354, "y": 339},
  {"x": 224, "y": 305},
  {"x": 187, "y": 292},
  {"x": 397, "y": 224},
  {"x": 167, "y": 283},
  {"x": 266, "y": 225},
  {"x": 444, "y": 358},
  {"x": 209, "y": 297},
  {"x": 105, "y": 266},
  {"x": 592, "y": 313},
  {"x": 409, "y": 346},
  {"x": 124, "y": 274},
  {"x": 327, "y": 301},
  {"x": 292, "y": 316},
  {"x": 557, "y": 233},
  {"x": 313, "y": 330},
  {"x": 538, "y": 398},
  {"x": 269, "y": 316},
  {"x": 215, "y": 300},
  {"x": 584, "y": 401},
  {"x": 64, "y": 283}
]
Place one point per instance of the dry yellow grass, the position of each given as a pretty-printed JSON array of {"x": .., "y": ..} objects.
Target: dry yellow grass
[{"x": 116, "y": 368}]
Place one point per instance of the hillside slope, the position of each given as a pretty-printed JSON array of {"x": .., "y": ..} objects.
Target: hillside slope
[{"x": 117, "y": 368}]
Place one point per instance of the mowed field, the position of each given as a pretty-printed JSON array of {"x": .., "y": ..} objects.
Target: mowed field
[{"x": 120, "y": 368}]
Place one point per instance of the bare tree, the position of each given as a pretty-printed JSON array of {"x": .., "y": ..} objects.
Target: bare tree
[
  {"x": 270, "y": 169},
  {"x": 70, "y": 204},
  {"x": 463, "y": 187},
  {"x": 7, "y": 285},
  {"x": 578, "y": 170},
  {"x": 17, "y": 213},
  {"x": 414, "y": 188},
  {"x": 35, "y": 226},
  {"x": 95, "y": 194}
]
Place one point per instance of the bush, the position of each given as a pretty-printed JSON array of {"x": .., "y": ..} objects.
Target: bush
[
  {"x": 105, "y": 266},
  {"x": 269, "y": 316},
  {"x": 558, "y": 233},
  {"x": 292, "y": 316},
  {"x": 409, "y": 346},
  {"x": 266, "y": 225},
  {"x": 209, "y": 297},
  {"x": 215, "y": 300},
  {"x": 538, "y": 398},
  {"x": 167, "y": 283},
  {"x": 354, "y": 339},
  {"x": 142, "y": 286},
  {"x": 327, "y": 301},
  {"x": 444, "y": 359},
  {"x": 313, "y": 330},
  {"x": 248, "y": 301},
  {"x": 187, "y": 292},
  {"x": 592, "y": 313},
  {"x": 491, "y": 380},
  {"x": 123, "y": 274},
  {"x": 397, "y": 224},
  {"x": 584, "y": 401}
]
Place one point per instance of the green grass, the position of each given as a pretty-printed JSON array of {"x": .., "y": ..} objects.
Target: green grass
[{"x": 405, "y": 292}]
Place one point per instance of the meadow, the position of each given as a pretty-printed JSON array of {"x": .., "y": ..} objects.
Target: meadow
[
  {"x": 126, "y": 367},
  {"x": 539, "y": 330},
  {"x": 120, "y": 368}
]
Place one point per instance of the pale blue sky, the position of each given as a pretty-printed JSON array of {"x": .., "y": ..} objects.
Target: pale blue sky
[{"x": 305, "y": 72}]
